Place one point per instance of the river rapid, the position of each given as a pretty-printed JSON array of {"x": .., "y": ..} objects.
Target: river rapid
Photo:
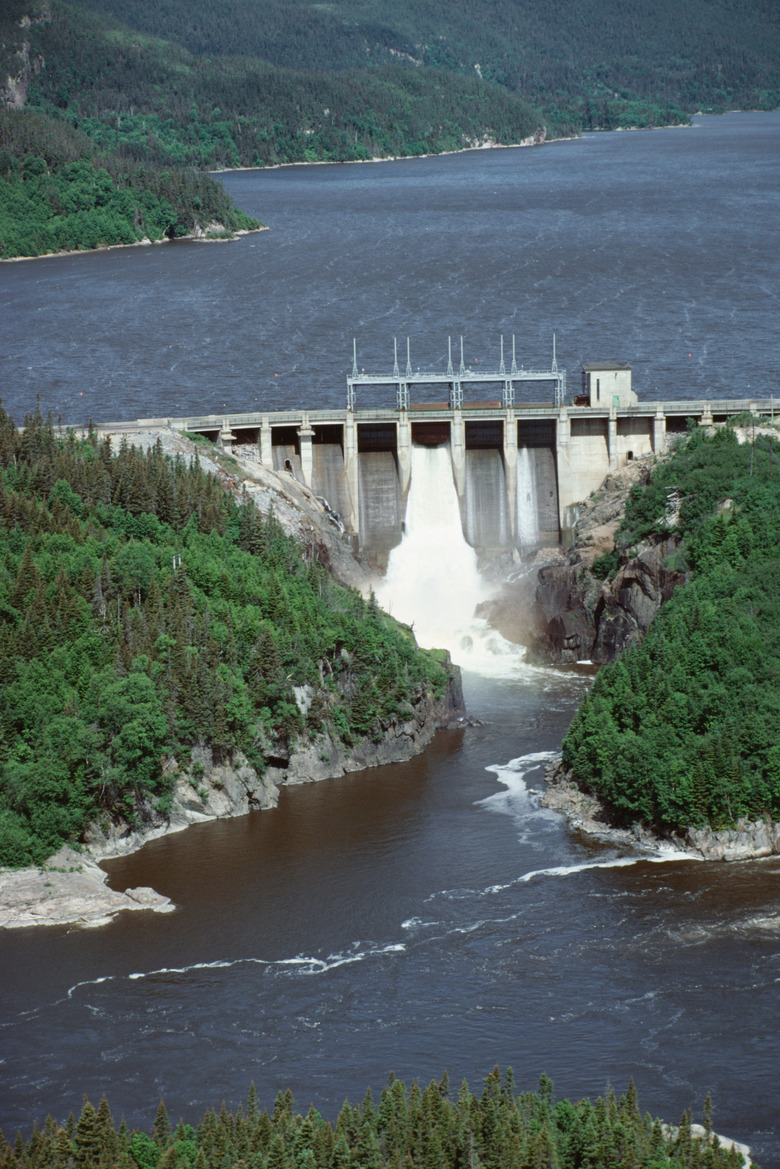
[{"x": 428, "y": 915}]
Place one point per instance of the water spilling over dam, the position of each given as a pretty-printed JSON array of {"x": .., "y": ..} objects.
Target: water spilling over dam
[{"x": 433, "y": 582}]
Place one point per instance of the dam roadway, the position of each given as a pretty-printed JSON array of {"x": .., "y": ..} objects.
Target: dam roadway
[{"x": 519, "y": 470}]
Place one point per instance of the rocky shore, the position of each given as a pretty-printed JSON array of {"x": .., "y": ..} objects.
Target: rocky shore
[
  {"x": 71, "y": 888},
  {"x": 588, "y": 814}
]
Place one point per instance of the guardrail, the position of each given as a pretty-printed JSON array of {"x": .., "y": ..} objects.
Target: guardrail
[{"x": 431, "y": 411}]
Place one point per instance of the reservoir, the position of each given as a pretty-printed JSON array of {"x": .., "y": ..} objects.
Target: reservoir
[{"x": 429, "y": 915}]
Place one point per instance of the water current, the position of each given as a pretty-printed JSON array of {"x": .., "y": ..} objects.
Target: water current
[{"x": 428, "y": 915}]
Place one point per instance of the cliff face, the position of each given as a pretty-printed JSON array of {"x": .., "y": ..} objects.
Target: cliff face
[
  {"x": 24, "y": 64},
  {"x": 578, "y": 617}
]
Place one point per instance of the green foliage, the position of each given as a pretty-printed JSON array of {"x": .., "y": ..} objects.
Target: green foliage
[
  {"x": 59, "y": 193},
  {"x": 429, "y": 1128},
  {"x": 685, "y": 728},
  {"x": 606, "y": 565},
  {"x": 144, "y": 611},
  {"x": 600, "y": 62}
]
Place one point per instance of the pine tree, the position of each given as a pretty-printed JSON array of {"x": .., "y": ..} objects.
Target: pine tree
[
  {"x": 162, "y": 1127},
  {"x": 89, "y": 1138}
]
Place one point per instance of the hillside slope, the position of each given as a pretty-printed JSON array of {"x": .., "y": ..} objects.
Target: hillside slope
[
  {"x": 683, "y": 730},
  {"x": 137, "y": 95},
  {"x": 153, "y": 626}
]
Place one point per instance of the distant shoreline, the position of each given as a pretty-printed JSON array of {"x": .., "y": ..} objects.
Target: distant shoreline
[
  {"x": 524, "y": 144},
  {"x": 197, "y": 237},
  {"x": 194, "y": 237}
]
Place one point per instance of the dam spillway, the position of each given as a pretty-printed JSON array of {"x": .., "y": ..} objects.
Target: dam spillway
[{"x": 518, "y": 471}]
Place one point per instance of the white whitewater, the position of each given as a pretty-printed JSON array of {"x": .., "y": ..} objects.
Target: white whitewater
[
  {"x": 432, "y": 581},
  {"x": 527, "y": 512}
]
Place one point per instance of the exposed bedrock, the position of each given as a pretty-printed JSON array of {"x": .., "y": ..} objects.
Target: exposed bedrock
[
  {"x": 747, "y": 840},
  {"x": 579, "y": 617}
]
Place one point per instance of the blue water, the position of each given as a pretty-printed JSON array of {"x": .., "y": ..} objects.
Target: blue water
[{"x": 657, "y": 248}]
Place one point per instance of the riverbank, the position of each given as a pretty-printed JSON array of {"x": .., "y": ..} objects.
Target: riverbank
[
  {"x": 196, "y": 785},
  {"x": 71, "y": 889},
  {"x": 586, "y": 813},
  {"x": 538, "y": 139}
]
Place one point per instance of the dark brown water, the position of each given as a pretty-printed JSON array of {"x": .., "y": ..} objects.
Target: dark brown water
[
  {"x": 430, "y": 915},
  {"x": 418, "y": 917}
]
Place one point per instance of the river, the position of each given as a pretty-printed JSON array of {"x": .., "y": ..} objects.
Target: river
[{"x": 428, "y": 915}]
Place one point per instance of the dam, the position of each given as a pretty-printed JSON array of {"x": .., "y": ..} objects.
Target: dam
[{"x": 519, "y": 468}]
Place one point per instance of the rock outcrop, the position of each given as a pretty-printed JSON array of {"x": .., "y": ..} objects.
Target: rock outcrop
[
  {"x": 70, "y": 890},
  {"x": 14, "y": 86},
  {"x": 747, "y": 840},
  {"x": 327, "y": 758},
  {"x": 205, "y": 791},
  {"x": 586, "y": 813},
  {"x": 579, "y": 617}
]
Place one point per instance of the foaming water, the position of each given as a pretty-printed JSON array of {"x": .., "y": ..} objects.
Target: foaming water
[
  {"x": 299, "y": 965},
  {"x": 433, "y": 582}
]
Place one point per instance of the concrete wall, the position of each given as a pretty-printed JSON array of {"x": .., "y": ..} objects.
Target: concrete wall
[
  {"x": 583, "y": 456},
  {"x": 609, "y": 385},
  {"x": 362, "y": 463},
  {"x": 634, "y": 439}
]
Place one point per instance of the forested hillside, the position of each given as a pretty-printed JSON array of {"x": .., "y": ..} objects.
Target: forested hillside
[
  {"x": 256, "y": 82},
  {"x": 57, "y": 193},
  {"x": 145, "y": 611},
  {"x": 684, "y": 729},
  {"x": 701, "y": 54},
  {"x": 431, "y": 1127}
]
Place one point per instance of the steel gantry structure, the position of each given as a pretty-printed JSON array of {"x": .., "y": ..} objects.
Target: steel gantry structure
[{"x": 454, "y": 379}]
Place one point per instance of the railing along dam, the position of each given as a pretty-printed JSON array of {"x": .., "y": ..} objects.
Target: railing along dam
[{"x": 517, "y": 470}]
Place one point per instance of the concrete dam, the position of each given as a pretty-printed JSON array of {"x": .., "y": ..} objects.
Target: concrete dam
[{"x": 518, "y": 470}]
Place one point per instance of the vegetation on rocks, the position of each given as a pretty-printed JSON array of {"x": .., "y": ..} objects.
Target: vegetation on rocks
[
  {"x": 431, "y": 1127},
  {"x": 684, "y": 729},
  {"x": 145, "y": 611}
]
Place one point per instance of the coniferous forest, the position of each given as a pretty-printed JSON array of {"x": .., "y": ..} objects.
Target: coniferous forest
[
  {"x": 684, "y": 729},
  {"x": 114, "y": 102},
  {"x": 144, "y": 611},
  {"x": 406, "y": 1127}
]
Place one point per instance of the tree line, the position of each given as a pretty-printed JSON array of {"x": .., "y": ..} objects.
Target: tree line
[
  {"x": 430, "y": 1127},
  {"x": 145, "y": 611},
  {"x": 684, "y": 729}
]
